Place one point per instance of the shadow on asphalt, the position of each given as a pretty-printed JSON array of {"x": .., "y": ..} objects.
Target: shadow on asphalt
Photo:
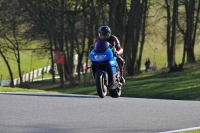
[{"x": 48, "y": 95}]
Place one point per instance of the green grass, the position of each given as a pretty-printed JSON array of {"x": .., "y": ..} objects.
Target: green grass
[
  {"x": 159, "y": 84},
  {"x": 180, "y": 85},
  {"x": 37, "y": 62},
  {"x": 194, "y": 131},
  {"x": 8, "y": 89}
]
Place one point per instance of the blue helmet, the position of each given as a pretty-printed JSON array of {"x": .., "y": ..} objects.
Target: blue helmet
[{"x": 104, "y": 31}]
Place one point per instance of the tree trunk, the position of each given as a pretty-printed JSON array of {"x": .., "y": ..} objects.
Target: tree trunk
[
  {"x": 133, "y": 37},
  {"x": 120, "y": 21},
  {"x": 9, "y": 69},
  {"x": 168, "y": 31},
  {"x": 61, "y": 44},
  {"x": 143, "y": 33},
  {"x": 171, "y": 40},
  {"x": 191, "y": 27}
]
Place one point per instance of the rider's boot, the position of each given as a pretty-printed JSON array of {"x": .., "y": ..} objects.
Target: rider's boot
[{"x": 122, "y": 80}]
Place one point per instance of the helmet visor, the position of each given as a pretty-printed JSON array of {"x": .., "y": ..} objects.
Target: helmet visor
[{"x": 104, "y": 36}]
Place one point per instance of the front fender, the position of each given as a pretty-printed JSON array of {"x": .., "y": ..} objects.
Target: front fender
[{"x": 105, "y": 75}]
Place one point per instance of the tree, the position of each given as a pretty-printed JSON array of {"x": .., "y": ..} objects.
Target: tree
[
  {"x": 2, "y": 53},
  {"x": 118, "y": 19},
  {"x": 12, "y": 22},
  {"x": 189, "y": 27},
  {"x": 171, "y": 33},
  {"x": 143, "y": 30},
  {"x": 135, "y": 33},
  {"x": 47, "y": 19}
]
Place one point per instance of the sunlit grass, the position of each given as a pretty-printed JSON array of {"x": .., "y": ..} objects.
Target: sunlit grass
[
  {"x": 29, "y": 61},
  {"x": 8, "y": 89},
  {"x": 195, "y": 131}
]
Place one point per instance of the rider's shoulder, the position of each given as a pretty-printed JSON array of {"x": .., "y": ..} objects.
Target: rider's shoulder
[{"x": 114, "y": 38}]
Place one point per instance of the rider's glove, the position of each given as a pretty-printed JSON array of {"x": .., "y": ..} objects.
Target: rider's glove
[
  {"x": 116, "y": 54},
  {"x": 91, "y": 47}
]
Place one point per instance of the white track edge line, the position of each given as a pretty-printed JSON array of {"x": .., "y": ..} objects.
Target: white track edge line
[{"x": 181, "y": 130}]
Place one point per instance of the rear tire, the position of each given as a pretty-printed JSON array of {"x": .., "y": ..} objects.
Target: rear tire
[
  {"x": 101, "y": 88},
  {"x": 115, "y": 93}
]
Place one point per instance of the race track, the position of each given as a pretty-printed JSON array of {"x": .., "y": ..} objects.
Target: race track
[{"x": 59, "y": 113}]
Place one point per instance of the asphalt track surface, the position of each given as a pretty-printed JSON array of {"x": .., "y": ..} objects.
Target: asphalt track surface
[{"x": 58, "y": 113}]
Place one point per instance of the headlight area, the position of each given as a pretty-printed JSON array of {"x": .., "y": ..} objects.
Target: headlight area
[{"x": 99, "y": 57}]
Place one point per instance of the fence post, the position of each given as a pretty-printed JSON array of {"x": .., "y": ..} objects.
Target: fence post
[
  {"x": 29, "y": 77},
  {"x": 0, "y": 79},
  {"x": 22, "y": 77},
  {"x": 33, "y": 75},
  {"x": 42, "y": 73}
]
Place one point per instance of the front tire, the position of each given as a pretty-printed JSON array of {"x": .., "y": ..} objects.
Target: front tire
[{"x": 101, "y": 88}]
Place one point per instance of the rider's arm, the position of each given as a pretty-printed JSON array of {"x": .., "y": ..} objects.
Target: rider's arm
[
  {"x": 119, "y": 50},
  {"x": 117, "y": 45}
]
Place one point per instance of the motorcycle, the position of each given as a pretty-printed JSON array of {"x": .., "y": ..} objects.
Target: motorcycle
[{"x": 105, "y": 69}]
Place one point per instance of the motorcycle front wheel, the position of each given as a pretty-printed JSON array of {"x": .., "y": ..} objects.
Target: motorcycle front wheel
[{"x": 101, "y": 88}]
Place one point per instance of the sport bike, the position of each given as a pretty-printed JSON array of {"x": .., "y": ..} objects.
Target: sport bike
[{"x": 105, "y": 69}]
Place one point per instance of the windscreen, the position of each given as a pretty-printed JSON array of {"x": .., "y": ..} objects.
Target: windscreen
[{"x": 101, "y": 46}]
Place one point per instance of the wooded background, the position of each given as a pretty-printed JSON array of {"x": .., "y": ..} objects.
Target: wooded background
[{"x": 71, "y": 26}]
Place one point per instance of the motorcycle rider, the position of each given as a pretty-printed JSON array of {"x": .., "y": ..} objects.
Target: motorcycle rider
[{"x": 105, "y": 34}]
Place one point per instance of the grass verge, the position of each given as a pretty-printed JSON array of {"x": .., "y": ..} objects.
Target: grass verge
[{"x": 183, "y": 85}]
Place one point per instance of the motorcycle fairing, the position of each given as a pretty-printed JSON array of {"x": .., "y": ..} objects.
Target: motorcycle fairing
[{"x": 98, "y": 58}]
